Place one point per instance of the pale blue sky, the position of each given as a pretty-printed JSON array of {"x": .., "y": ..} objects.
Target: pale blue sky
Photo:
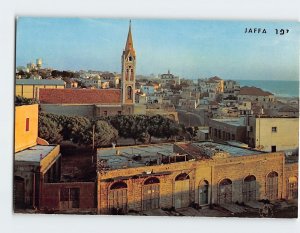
[{"x": 189, "y": 48}]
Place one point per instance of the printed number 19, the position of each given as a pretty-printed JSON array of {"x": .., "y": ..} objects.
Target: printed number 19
[{"x": 282, "y": 31}]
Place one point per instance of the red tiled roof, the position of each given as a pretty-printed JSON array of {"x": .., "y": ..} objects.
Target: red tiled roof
[
  {"x": 253, "y": 91},
  {"x": 79, "y": 96}
]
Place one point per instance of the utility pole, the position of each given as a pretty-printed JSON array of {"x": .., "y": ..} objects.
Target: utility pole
[
  {"x": 93, "y": 137},
  {"x": 93, "y": 144}
]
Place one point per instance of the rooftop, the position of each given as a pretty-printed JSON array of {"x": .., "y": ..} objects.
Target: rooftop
[
  {"x": 231, "y": 121},
  {"x": 40, "y": 82},
  {"x": 158, "y": 154},
  {"x": 212, "y": 147},
  {"x": 80, "y": 96},
  {"x": 131, "y": 156},
  {"x": 34, "y": 154},
  {"x": 254, "y": 91}
]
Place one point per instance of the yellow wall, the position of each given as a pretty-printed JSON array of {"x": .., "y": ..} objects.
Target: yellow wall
[
  {"x": 50, "y": 159},
  {"x": 25, "y": 139},
  {"x": 286, "y": 137},
  {"x": 30, "y": 91}
]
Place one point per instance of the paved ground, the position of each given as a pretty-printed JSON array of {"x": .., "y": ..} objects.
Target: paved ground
[{"x": 279, "y": 209}]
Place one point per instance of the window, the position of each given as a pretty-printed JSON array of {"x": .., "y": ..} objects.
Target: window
[
  {"x": 273, "y": 148},
  {"x": 129, "y": 92},
  {"x": 27, "y": 124},
  {"x": 274, "y": 129}
]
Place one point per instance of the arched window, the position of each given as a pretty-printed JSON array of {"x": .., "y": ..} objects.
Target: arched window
[
  {"x": 117, "y": 198},
  {"x": 272, "y": 186},
  {"x": 131, "y": 75},
  {"x": 293, "y": 188},
  {"x": 182, "y": 191},
  {"x": 118, "y": 185},
  {"x": 249, "y": 188},
  {"x": 126, "y": 75},
  {"x": 225, "y": 191},
  {"x": 203, "y": 192},
  {"x": 129, "y": 92},
  {"x": 182, "y": 176},
  {"x": 151, "y": 194},
  {"x": 152, "y": 180}
]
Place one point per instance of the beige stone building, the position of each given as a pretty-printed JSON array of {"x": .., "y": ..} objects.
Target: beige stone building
[
  {"x": 257, "y": 95},
  {"x": 227, "y": 129},
  {"x": 274, "y": 133},
  {"x": 144, "y": 177}
]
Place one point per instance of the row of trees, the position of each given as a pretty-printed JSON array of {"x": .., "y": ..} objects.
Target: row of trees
[
  {"x": 143, "y": 128},
  {"x": 81, "y": 130}
]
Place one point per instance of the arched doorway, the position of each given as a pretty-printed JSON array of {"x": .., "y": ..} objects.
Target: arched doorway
[
  {"x": 19, "y": 192},
  {"x": 225, "y": 191},
  {"x": 117, "y": 198},
  {"x": 203, "y": 192},
  {"x": 182, "y": 191},
  {"x": 151, "y": 194},
  {"x": 249, "y": 188},
  {"x": 293, "y": 188},
  {"x": 272, "y": 186}
]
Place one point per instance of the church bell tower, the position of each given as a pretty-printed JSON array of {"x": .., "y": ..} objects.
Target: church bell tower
[{"x": 128, "y": 74}]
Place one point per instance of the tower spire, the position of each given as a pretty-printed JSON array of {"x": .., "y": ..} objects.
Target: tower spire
[{"x": 129, "y": 42}]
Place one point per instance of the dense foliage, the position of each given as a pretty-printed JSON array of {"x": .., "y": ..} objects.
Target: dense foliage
[
  {"x": 19, "y": 100},
  {"x": 142, "y": 128},
  {"x": 55, "y": 128}
]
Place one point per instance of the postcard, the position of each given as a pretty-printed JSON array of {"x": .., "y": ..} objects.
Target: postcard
[{"x": 152, "y": 117}]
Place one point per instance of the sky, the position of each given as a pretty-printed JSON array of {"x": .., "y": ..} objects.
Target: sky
[{"x": 188, "y": 48}]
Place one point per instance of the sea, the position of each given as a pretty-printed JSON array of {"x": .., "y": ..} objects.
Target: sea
[{"x": 280, "y": 88}]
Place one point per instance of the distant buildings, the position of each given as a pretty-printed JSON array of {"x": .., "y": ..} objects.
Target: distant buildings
[
  {"x": 257, "y": 95},
  {"x": 169, "y": 79},
  {"x": 228, "y": 129}
]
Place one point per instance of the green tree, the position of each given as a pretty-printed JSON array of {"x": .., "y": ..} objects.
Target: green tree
[
  {"x": 138, "y": 130},
  {"x": 104, "y": 134},
  {"x": 20, "y": 100},
  {"x": 49, "y": 130}
]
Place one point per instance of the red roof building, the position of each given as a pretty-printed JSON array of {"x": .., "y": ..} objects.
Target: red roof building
[
  {"x": 254, "y": 91},
  {"x": 80, "y": 96}
]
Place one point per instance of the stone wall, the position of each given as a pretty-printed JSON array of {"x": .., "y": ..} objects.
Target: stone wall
[{"x": 211, "y": 170}]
